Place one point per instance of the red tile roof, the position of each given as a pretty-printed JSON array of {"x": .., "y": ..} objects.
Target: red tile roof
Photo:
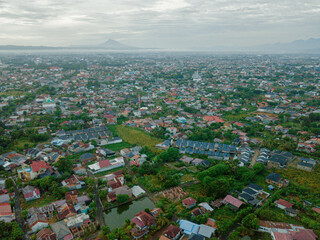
[
  {"x": 233, "y": 201},
  {"x": 189, "y": 201},
  {"x": 5, "y": 209},
  {"x": 213, "y": 119},
  {"x": 38, "y": 165},
  {"x": 316, "y": 209},
  {"x": 284, "y": 203},
  {"x": 104, "y": 163},
  {"x": 143, "y": 219},
  {"x": 172, "y": 231}
]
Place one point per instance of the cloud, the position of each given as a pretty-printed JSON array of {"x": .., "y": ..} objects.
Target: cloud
[{"x": 158, "y": 23}]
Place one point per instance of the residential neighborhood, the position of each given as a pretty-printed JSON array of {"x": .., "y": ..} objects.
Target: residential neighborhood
[{"x": 159, "y": 146}]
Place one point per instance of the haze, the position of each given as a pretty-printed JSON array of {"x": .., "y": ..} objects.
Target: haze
[{"x": 176, "y": 24}]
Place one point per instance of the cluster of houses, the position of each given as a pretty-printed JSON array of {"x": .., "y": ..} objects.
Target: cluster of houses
[
  {"x": 134, "y": 156},
  {"x": 101, "y": 134},
  {"x": 212, "y": 150},
  {"x": 71, "y": 213}
]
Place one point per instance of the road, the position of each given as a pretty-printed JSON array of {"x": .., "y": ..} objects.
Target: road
[
  {"x": 149, "y": 194},
  {"x": 18, "y": 210},
  {"x": 254, "y": 158},
  {"x": 97, "y": 200}
]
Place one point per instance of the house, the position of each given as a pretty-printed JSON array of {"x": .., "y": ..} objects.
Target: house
[
  {"x": 281, "y": 231},
  {"x": 5, "y": 198},
  {"x": 73, "y": 182},
  {"x": 66, "y": 210},
  {"x": 306, "y": 164},
  {"x": 37, "y": 221},
  {"x": 172, "y": 232},
  {"x": 79, "y": 170},
  {"x": 283, "y": 204},
  {"x": 232, "y": 202},
  {"x": 276, "y": 179},
  {"x": 61, "y": 230},
  {"x": 196, "y": 212},
  {"x": 6, "y": 214},
  {"x": 189, "y": 202},
  {"x": 79, "y": 224},
  {"x": 105, "y": 152},
  {"x": 40, "y": 167},
  {"x": 46, "y": 234},
  {"x": 188, "y": 227},
  {"x": 106, "y": 165},
  {"x": 205, "y": 207},
  {"x": 143, "y": 220},
  {"x": 30, "y": 193},
  {"x": 206, "y": 231},
  {"x": 87, "y": 157}
]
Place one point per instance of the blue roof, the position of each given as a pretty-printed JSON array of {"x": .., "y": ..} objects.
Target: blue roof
[{"x": 188, "y": 227}]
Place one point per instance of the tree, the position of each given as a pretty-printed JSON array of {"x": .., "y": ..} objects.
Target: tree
[
  {"x": 121, "y": 198},
  {"x": 251, "y": 221},
  {"x": 64, "y": 165},
  {"x": 9, "y": 183},
  {"x": 259, "y": 167}
]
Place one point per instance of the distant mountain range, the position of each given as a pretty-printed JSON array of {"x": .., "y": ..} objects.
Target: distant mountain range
[
  {"x": 311, "y": 45},
  {"x": 108, "y": 45}
]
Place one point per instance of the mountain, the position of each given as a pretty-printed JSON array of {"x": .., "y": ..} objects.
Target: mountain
[
  {"x": 311, "y": 45},
  {"x": 108, "y": 45},
  {"x": 112, "y": 44}
]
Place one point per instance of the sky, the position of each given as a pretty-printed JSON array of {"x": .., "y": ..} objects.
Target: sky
[{"x": 171, "y": 24}]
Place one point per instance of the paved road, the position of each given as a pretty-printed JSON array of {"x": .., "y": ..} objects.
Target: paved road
[
  {"x": 97, "y": 200},
  {"x": 18, "y": 210}
]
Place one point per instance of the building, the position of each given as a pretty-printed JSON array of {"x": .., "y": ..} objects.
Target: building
[
  {"x": 30, "y": 193},
  {"x": 277, "y": 180},
  {"x": 61, "y": 230},
  {"x": 6, "y": 213},
  {"x": 143, "y": 220},
  {"x": 172, "y": 232},
  {"x": 37, "y": 221},
  {"x": 232, "y": 202},
  {"x": 106, "y": 165},
  {"x": 72, "y": 183},
  {"x": 189, "y": 202},
  {"x": 46, "y": 234}
]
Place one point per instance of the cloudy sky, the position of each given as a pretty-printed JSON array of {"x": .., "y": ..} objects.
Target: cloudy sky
[{"x": 158, "y": 23}]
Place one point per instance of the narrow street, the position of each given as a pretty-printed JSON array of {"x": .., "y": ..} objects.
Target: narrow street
[
  {"x": 18, "y": 210},
  {"x": 97, "y": 200},
  {"x": 254, "y": 158}
]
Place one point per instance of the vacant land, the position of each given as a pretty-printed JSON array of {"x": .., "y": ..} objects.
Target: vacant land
[{"x": 138, "y": 137}]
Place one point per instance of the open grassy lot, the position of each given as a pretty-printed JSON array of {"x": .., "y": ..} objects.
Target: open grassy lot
[
  {"x": 43, "y": 201},
  {"x": 118, "y": 146},
  {"x": 137, "y": 137},
  {"x": 303, "y": 178}
]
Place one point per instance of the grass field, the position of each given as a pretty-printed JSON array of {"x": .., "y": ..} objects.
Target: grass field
[
  {"x": 303, "y": 178},
  {"x": 43, "y": 201},
  {"x": 118, "y": 146},
  {"x": 108, "y": 172},
  {"x": 137, "y": 137}
]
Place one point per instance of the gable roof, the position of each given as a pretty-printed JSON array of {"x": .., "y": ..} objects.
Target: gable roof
[
  {"x": 275, "y": 177},
  {"x": 172, "y": 231},
  {"x": 284, "y": 203},
  {"x": 60, "y": 229},
  {"x": 233, "y": 201},
  {"x": 189, "y": 201},
  {"x": 38, "y": 165}
]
